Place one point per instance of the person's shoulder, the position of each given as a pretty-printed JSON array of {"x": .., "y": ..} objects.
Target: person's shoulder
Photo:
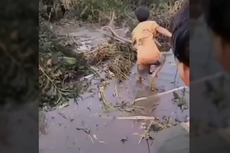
[
  {"x": 133, "y": 31},
  {"x": 152, "y": 25},
  {"x": 151, "y": 22},
  {"x": 155, "y": 24},
  {"x": 135, "y": 28}
]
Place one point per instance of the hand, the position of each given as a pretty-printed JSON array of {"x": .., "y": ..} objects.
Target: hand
[{"x": 170, "y": 35}]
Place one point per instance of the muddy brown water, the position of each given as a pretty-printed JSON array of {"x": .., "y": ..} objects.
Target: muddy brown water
[{"x": 62, "y": 128}]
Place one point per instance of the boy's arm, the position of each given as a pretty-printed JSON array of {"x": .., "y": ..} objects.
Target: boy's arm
[{"x": 163, "y": 31}]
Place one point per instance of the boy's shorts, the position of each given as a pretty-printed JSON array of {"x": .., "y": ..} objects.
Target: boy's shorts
[{"x": 144, "y": 69}]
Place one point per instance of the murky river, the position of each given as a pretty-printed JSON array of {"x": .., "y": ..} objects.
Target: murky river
[{"x": 64, "y": 129}]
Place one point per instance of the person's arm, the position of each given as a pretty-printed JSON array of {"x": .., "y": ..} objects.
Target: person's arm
[{"x": 163, "y": 31}]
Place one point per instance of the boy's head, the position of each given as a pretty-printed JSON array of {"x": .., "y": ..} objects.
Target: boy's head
[
  {"x": 142, "y": 13},
  {"x": 180, "y": 42},
  {"x": 217, "y": 16}
]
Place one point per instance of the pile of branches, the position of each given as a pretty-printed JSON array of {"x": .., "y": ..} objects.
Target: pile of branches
[
  {"x": 59, "y": 70},
  {"x": 119, "y": 57}
]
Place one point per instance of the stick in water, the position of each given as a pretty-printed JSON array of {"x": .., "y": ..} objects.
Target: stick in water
[{"x": 174, "y": 81}]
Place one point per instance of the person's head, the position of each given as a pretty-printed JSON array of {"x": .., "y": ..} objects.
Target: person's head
[
  {"x": 142, "y": 13},
  {"x": 217, "y": 17},
  {"x": 180, "y": 42}
]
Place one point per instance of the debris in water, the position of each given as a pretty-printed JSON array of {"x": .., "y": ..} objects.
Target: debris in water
[
  {"x": 180, "y": 100},
  {"x": 62, "y": 115},
  {"x": 89, "y": 109},
  {"x": 95, "y": 137},
  {"x": 102, "y": 95},
  {"x": 155, "y": 126},
  {"x": 119, "y": 57},
  {"x": 107, "y": 105},
  {"x": 123, "y": 140},
  {"x": 64, "y": 105},
  {"x": 86, "y": 130},
  {"x": 134, "y": 118},
  {"x": 91, "y": 138},
  {"x": 135, "y": 133}
]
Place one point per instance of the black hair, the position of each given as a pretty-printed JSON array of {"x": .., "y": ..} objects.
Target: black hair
[
  {"x": 180, "y": 34},
  {"x": 217, "y": 17},
  {"x": 142, "y": 13}
]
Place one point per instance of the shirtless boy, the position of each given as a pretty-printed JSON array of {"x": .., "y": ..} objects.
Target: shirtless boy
[{"x": 143, "y": 38}]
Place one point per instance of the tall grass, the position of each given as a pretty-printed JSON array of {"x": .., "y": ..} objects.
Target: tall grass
[{"x": 99, "y": 10}]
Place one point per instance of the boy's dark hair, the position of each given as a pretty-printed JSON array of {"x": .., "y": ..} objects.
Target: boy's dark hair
[
  {"x": 142, "y": 13},
  {"x": 217, "y": 16},
  {"x": 180, "y": 34}
]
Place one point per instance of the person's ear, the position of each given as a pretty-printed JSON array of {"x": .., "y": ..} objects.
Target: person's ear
[
  {"x": 184, "y": 73},
  {"x": 222, "y": 51}
]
